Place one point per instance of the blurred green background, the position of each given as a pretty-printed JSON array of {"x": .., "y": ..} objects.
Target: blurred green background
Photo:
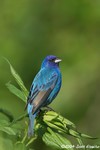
[{"x": 30, "y": 30}]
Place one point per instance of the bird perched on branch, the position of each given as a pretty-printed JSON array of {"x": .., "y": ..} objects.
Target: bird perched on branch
[{"x": 44, "y": 88}]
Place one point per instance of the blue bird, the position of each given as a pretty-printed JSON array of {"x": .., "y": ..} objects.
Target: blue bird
[{"x": 44, "y": 88}]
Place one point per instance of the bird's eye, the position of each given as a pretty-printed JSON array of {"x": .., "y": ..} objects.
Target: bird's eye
[{"x": 52, "y": 60}]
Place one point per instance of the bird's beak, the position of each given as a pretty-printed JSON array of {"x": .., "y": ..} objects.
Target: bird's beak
[{"x": 57, "y": 60}]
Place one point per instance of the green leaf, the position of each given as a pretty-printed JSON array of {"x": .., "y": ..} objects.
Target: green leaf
[
  {"x": 61, "y": 125},
  {"x": 87, "y": 136},
  {"x": 74, "y": 133},
  {"x": 16, "y": 91},
  {"x": 56, "y": 121},
  {"x": 7, "y": 113},
  {"x": 7, "y": 130},
  {"x": 18, "y": 79},
  {"x": 51, "y": 115},
  {"x": 66, "y": 122},
  {"x": 80, "y": 135},
  {"x": 56, "y": 140},
  {"x": 49, "y": 140},
  {"x": 52, "y": 125},
  {"x": 79, "y": 141}
]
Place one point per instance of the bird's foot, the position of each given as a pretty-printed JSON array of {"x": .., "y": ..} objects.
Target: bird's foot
[{"x": 49, "y": 108}]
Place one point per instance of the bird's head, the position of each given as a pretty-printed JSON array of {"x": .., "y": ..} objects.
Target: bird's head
[{"x": 51, "y": 61}]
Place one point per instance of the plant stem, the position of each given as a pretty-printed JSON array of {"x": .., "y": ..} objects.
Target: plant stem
[
  {"x": 18, "y": 119},
  {"x": 30, "y": 141},
  {"x": 24, "y": 138}
]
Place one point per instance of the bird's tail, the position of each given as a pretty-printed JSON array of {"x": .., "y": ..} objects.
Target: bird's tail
[
  {"x": 31, "y": 120},
  {"x": 31, "y": 124}
]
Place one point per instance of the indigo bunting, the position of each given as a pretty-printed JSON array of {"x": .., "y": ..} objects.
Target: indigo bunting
[{"x": 44, "y": 88}]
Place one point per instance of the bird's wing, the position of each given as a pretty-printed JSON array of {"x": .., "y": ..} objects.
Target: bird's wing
[{"x": 41, "y": 88}]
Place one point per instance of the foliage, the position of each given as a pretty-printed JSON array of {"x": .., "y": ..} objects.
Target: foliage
[{"x": 53, "y": 128}]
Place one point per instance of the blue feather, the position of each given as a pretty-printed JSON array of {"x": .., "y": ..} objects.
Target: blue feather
[{"x": 44, "y": 88}]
